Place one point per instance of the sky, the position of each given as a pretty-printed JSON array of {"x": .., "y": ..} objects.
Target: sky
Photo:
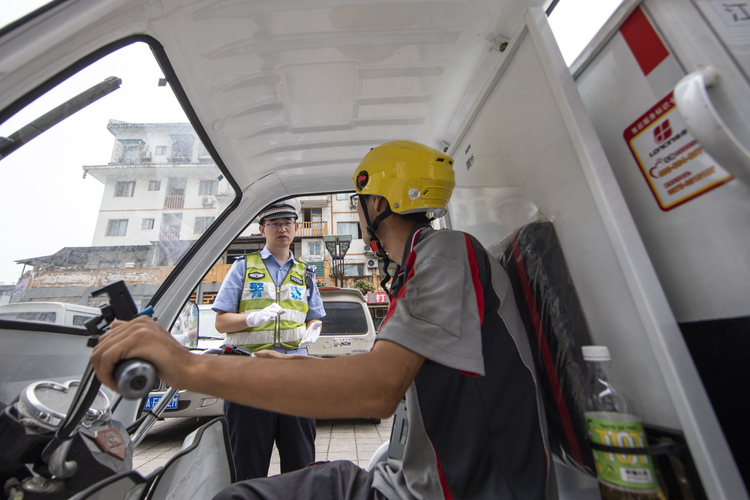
[{"x": 76, "y": 200}]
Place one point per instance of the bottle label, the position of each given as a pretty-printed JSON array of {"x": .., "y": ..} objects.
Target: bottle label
[{"x": 629, "y": 471}]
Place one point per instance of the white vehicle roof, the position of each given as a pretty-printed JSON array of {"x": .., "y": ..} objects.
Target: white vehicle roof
[
  {"x": 48, "y": 306},
  {"x": 59, "y": 313},
  {"x": 334, "y": 293}
]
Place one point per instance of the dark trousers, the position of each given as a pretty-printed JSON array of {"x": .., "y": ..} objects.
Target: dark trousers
[
  {"x": 340, "y": 480},
  {"x": 252, "y": 433}
]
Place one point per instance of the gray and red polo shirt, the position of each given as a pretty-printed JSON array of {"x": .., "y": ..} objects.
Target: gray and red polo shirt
[{"x": 475, "y": 421}]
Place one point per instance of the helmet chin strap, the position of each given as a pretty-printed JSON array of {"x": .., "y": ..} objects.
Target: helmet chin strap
[{"x": 375, "y": 242}]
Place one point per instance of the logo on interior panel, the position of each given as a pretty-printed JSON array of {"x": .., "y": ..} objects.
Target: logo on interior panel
[{"x": 662, "y": 132}]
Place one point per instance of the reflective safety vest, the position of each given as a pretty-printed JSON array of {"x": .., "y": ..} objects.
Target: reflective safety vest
[{"x": 259, "y": 291}]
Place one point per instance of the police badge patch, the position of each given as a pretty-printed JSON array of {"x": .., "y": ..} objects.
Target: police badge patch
[
  {"x": 296, "y": 279},
  {"x": 256, "y": 275}
]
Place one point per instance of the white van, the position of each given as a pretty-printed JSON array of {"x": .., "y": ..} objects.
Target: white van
[
  {"x": 57, "y": 313},
  {"x": 347, "y": 326}
]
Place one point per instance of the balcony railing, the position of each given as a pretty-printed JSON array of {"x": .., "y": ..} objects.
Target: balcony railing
[
  {"x": 173, "y": 202},
  {"x": 312, "y": 229},
  {"x": 168, "y": 237}
]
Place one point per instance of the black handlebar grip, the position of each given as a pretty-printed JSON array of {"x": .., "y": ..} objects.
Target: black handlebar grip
[{"x": 135, "y": 378}]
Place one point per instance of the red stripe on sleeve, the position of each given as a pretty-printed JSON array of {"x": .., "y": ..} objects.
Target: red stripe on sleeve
[
  {"x": 478, "y": 290},
  {"x": 644, "y": 42},
  {"x": 549, "y": 365}
]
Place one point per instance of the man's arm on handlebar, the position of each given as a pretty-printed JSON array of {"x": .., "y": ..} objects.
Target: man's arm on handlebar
[{"x": 365, "y": 385}]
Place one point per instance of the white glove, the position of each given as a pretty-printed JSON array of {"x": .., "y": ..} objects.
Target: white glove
[
  {"x": 257, "y": 318},
  {"x": 311, "y": 334}
]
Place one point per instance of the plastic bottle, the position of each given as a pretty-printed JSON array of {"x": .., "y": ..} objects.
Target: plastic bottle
[{"x": 610, "y": 420}]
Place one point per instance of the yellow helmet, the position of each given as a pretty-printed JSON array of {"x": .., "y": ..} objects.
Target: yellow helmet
[{"x": 411, "y": 176}]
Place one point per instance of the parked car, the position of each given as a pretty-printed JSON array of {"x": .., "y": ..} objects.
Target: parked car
[
  {"x": 188, "y": 403},
  {"x": 347, "y": 326},
  {"x": 57, "y": 313}
]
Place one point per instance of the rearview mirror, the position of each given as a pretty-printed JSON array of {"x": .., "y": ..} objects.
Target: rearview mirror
[{"x": 185, "y": 328}]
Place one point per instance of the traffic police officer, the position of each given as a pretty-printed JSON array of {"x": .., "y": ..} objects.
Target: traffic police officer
[{"x": 268, "y": 300}]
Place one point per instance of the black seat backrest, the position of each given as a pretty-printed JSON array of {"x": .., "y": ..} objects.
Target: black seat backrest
[{"x": 557, "y": 329}]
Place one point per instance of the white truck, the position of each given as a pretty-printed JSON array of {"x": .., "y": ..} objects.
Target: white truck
[{"x": 637, "y": 155}]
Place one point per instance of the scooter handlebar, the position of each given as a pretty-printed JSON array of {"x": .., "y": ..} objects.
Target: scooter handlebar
[{"x": 135, "y": 378}]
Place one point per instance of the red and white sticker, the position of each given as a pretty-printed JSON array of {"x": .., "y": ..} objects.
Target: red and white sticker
[{"x": 675, "y": 166}]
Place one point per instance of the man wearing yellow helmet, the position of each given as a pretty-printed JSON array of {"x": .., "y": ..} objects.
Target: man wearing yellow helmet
[{"x": 452, "y": 359}]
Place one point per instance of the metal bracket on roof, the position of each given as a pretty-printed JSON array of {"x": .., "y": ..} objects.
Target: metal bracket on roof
[{"x": 497, "y": 42}]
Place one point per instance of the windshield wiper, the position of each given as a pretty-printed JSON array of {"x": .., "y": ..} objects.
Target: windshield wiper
[{"x": 52, "y": 118}]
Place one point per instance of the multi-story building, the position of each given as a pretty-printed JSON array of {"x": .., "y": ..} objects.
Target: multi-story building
[{"x": 159, "y": 185}]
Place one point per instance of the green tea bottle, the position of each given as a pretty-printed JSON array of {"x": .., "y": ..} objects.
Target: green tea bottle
[{"x": 610, "y": 421}]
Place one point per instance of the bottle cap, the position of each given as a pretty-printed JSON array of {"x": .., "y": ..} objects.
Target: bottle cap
[{"x": 596, "y": 353}]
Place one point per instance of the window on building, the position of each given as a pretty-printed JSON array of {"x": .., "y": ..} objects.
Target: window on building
[
  {"x": 315, "y": 248},
  {"x": 319, "y": 266},
  {"x": 202, "y": 223},
  {"x": 130, "y": 150},
  {"x": 354, "y": 269},
  {"x": 171, "y": 226},
  {"x": 131, "y": 154},
  {"x": 342, "y": 196},
  {"x": 161, "y": 150},
  {"x": 124, "y": 189},
  {"x": 208, "y": 187},
  {"x": 349, "y": 228},
  {"x": 147, "y": 224},
  {"x": 117, "y": 227},
  {"x": 312, "y": 214},
  {"x": 181, "y": 146},
  {"x": 154, "y": 185}
]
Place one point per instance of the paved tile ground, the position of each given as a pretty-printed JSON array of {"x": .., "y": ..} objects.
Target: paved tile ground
[{"x": 354, "y": 440}]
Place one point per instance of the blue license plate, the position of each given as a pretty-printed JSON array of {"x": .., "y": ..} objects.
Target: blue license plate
[{"x": 152, "y": 400}]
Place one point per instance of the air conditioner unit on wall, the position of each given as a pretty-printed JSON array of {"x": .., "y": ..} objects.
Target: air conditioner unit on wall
[{"x": 372, "y": 263}]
